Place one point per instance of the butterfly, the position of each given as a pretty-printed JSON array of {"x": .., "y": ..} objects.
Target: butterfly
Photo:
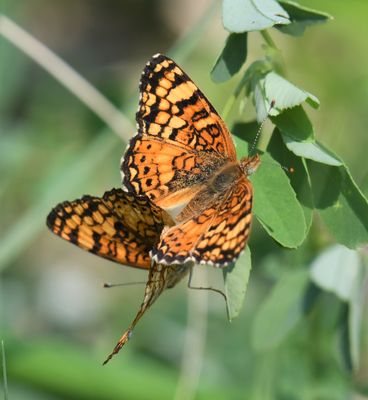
[
  {"x": 184, "y": 160},
  {"x": 121, "y": 227},
  {"x": 188, "y": 199}
]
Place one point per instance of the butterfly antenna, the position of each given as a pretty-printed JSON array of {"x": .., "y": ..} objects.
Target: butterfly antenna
[{"x": 272, "y": 105}]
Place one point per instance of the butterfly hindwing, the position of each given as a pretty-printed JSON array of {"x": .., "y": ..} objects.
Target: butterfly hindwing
[
  {"x": 120, "y": 226},
  {"x": 216, "y": 236}
]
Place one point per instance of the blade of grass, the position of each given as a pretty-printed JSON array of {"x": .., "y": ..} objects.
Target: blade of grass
[
  {"x": 5, "y": 378},
  {"x": 67, "y": 76}
]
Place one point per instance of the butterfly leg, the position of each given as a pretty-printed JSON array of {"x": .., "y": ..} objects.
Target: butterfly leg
[{"x": 204, "y": 288}]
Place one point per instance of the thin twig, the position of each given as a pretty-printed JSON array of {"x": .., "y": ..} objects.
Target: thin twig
[{"x": 67, "y": 76}]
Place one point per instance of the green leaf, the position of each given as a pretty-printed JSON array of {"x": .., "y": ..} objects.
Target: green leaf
[
  {"x": 275, "y": 203},
  {"x": 299, "y": 178},
  {"x": 285, "y": 94},
  {"x": 335, "y": 270},
  {"x": 301, "y": 17},
  {"x": 312, "y": 150},
  {"x": 282, "y": 94},
  {"x": 246, "y": 131},
  {"x": 295, "y": 123},
  {"x": 340, "y": 203},
  {"x": 339, "y": 270},
  {"x": 231, "y": 59},
  {"x": 281, "y": 310},
  {"x": 252, "y": 15},
  {"x": 236, "y": 278}
]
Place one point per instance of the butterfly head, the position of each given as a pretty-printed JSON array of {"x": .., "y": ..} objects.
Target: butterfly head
[{"x": 249, "y": 165}]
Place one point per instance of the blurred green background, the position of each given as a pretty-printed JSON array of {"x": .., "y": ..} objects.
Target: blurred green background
[{"x": 57, "y": 321}]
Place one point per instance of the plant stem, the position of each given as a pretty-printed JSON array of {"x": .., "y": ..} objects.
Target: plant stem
[
  {"x": 194, "y": 344},
  {"x": 276, "y": 58},
  {"x": 268, "y": 39}
]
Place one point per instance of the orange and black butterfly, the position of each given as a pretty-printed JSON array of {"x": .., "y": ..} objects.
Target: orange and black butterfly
[{"x": 188, "y": 199}]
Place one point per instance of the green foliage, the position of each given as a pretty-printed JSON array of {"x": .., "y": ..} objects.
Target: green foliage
[
  {"x": 252, "y": 15},
  {"x": 231, "y": 58},
  {"x": 299, "y": 178},
  {"x": 281, "y": 310},
  {"x": 60, "y": 367},
  {"x": 274, "y": 88},
  {"x": 284, "y": 203},
  {"x": 276, "y": 205},
  {"x": 341, "y": 204},
  {"x": 311, "y": 150},
  {"x": 236, "y": 280},
  {"x": 341, "y": 271},
  {"x": 294, "y": 123},
  {"x": 336, "y": 270},
  {"x": 300, "y": 18}
]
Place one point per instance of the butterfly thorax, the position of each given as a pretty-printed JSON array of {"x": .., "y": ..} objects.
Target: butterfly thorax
[{"x": 213, "y": 190}]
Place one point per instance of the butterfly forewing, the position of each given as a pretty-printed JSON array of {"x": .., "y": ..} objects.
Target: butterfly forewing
[{"x": 181, "y": 140}]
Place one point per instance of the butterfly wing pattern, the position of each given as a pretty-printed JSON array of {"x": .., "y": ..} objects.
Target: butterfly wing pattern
[
  {"x": 184, "y": 160},
  {"x": 120, "y": 226}
]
